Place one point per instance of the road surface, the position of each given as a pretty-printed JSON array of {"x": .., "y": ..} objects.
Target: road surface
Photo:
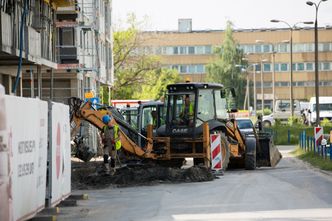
[{"x": 291, "y": 191}]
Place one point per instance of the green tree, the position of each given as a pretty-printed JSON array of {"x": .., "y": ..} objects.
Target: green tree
[
  {"x": 225, "y": 69},
  {"x": 137, "y": 71},
  {"x": 159, "y": 79}
]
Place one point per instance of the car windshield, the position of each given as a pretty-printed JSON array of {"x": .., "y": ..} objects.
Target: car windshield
[
  {"x": 181, "y": 109},
  {"x": 244, "y": 124},
  {"x": 323, "y": 107}
]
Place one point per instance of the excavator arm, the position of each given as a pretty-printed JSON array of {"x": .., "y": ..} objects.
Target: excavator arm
[{"x": 85, "y": 111}]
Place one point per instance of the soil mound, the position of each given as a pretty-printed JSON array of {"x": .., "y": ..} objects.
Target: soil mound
[{"x": 92, "y": 175}]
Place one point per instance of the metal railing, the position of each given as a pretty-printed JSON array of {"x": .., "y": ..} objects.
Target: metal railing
[{"x": 308, "y": 144}]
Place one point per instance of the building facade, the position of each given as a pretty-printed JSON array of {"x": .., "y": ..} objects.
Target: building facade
[
  {"x": 66, "y": 47},
  {"x": 66, "y": 51},
  {"x": 190, "y": 51},
  {"x": 27, "y": 43}
]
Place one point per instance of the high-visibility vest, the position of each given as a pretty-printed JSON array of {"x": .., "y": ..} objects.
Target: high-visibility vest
[
  {"x": 117, "y": 138},
  {"x": 191, "y": 110},
  {"x": 117, "y": 141}
]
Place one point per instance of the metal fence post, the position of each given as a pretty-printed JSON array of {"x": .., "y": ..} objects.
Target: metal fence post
[
  {"x": 288, "y": 136},
  {"x": 49, "y": 157}
]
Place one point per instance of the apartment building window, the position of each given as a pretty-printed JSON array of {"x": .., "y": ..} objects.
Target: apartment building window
[
  {"x": 284, "y": 84},
  {"x": 325, "y": 46},
  {"x": 283, "y": 67},
  {"x": 266, "y": 48},
  {"x": 191, "y": 68},
  {"x": 276, "y": 67},
  {"x": 168, "y": 50},
  {"x": 67, "y": 36},
  {"x": 208, "y": 50},
  {"x": 299, "y": 47},
  {"x": 283, "y": 48},
  {"x": 326, "y": 66},
  {"x": 199, "y": 49},
  {"x": 175, "y": 50},
  {"x": 157, "y": 50},
  {"x": 309, "y": 84},
  {"x": 309, "y": 47},
  {"x": 294, "y": 67},
  {"x": 300, "y": 83},
  {"x": 183, "y": 50},
  {"x": 200, "y": 68},
  {"x": 309, "y": 66},
  {"x": 258, "y": 67},
  {"x": 258, "y": 48},
  {"x": 183, "y": 68},
  {"x": 191, "y": 50},
  {"x": 300, "y": 67},
  {"x": 266, "y": 67}
]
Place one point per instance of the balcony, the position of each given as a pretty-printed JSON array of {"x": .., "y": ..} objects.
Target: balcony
[
  {"x": 6, "y": 33},
  {"x": 67, "y": 55}
]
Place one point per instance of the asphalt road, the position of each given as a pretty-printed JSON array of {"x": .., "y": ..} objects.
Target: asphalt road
[{"x": 291, "y": 191}]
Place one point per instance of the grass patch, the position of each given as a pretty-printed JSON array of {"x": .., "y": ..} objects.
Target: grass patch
[{"x": 313, "y": 159}]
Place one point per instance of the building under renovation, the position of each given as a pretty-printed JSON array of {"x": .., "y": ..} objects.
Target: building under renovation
[{"x": 55, "y": 49}]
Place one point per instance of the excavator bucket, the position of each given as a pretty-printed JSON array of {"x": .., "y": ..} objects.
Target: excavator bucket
[{"x": 266, "y": 153}]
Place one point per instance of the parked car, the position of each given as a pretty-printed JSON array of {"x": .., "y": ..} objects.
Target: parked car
[
  {"x": 245, "y": 125},
  {"x": 268, "y": 120}
]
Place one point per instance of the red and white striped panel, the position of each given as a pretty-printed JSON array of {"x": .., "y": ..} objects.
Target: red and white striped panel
[
  {"x": 318, "y": 135},
  {"x": 216, "y": 157}
]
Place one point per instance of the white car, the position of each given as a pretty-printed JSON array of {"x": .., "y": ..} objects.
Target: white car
[{"x": 268, "y": 120}]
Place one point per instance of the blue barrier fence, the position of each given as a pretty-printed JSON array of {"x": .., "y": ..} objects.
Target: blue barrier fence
[{"x": 307, "y": 143}]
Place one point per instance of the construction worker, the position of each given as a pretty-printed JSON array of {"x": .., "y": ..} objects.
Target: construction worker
[
  {"x": 112, "y": 143},
  {"x": 154, "y": 118},
  {"x": 187, "y": 112}
]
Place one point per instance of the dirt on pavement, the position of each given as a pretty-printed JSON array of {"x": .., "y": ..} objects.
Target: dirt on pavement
[{"x": 92, "y": 175}]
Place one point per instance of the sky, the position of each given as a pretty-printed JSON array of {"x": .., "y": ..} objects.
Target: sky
[{"x": 163, "y": 15}]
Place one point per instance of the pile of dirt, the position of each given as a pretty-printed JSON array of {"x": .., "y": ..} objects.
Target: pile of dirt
[{"x": 92, "y": 176}]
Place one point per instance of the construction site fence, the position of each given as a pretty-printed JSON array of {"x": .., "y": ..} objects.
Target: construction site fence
[
  {"x": 34, "y": 144},
  {"x": 307, "y": 143}
]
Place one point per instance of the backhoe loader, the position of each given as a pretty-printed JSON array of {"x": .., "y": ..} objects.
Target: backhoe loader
[
  {"x": 209, "y": 107},
  {"x": 179, "y": 138}
]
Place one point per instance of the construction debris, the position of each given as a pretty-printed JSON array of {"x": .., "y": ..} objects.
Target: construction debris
[{"x": 91, "y": 175}]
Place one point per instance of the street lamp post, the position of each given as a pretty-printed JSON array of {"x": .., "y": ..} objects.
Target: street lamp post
[
  {"x": 255, "y": 95},
  {"x": 291, "y": 28},
  {"x": 310, "y": 3},
  {"x": 262, "y": 84},
  {"x": 273, "y": 71}
]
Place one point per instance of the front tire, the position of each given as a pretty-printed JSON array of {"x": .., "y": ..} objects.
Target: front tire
[
  {"x": 250, "y": 157},
  {"x": 267, "y": 123}
]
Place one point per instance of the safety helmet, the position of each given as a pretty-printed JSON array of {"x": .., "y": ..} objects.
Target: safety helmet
[{"x": 106, "y": 119}]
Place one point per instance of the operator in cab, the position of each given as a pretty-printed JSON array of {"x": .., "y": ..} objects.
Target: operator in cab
[{"x": 187, "y": 112}]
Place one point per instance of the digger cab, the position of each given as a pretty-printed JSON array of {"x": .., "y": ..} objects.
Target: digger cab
[{"x": 189, "y": 105}]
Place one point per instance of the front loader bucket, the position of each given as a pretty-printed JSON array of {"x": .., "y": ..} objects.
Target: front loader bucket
[{"x": 266, "y": 153}]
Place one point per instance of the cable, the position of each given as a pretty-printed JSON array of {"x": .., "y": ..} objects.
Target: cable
[{"x": 18, "y": 75}]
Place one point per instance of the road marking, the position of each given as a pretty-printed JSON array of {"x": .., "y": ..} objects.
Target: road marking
[{"x": 311, "y": 214}]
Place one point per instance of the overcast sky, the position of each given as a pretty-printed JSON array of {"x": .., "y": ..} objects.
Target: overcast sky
[{"x": 213, "y": 14}]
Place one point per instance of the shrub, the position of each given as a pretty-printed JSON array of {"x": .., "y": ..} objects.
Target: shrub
[
  {"x": 326, "y": 123},
  {"x": 267, "y": 111},
  {"x": 294, "y": 121}
]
